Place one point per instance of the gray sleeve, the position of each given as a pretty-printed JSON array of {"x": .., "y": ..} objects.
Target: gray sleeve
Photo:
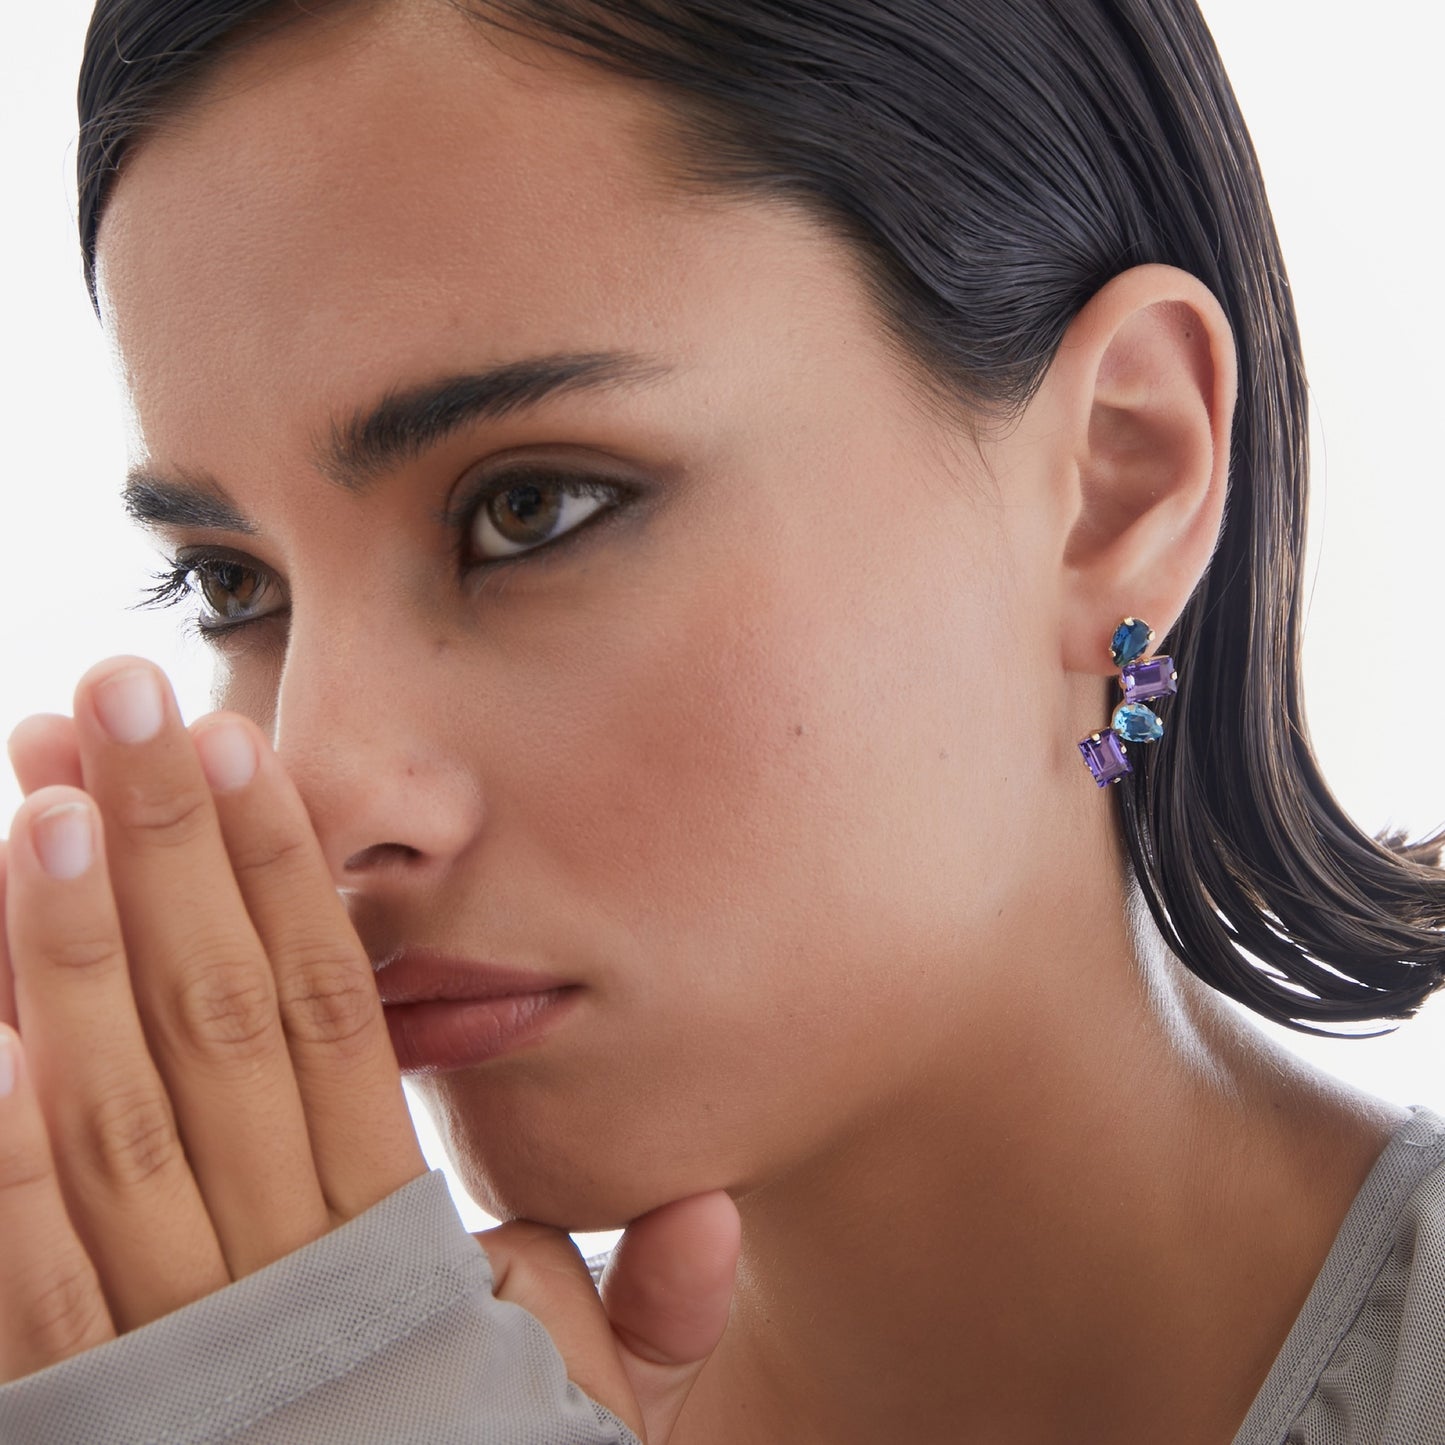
[{"x": 385, "y": 1330}]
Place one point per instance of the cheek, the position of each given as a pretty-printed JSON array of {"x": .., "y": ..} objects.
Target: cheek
[
  {"x": 249, "y": 682},
  {"x": 789, "y": 761},
  {"x": 777, "y": 828},
  {"x": 806, "y": 763}
]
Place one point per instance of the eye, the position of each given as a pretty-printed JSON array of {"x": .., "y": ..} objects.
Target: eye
[
  {"x": 225, "y": 592},
  {"x": 229, "y": 591},
  {"x": 529, "y": 511}
]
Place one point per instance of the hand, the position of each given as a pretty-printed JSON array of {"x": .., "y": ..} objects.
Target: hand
[
  {"x": 207, "y": 1082},
  {"x": 666, "y": 1291}
]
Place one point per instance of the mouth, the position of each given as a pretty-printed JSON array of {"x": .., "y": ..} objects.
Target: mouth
[{"x": 445, "y": 1013}]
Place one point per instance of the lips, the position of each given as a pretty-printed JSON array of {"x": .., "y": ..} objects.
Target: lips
[
  {"x": 445, "y": 1013},
  {"x": 417, "y": 975}
]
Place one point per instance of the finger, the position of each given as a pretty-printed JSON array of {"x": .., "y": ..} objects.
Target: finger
[
  {"x": 362, "y": 1136},
  {"x": 44, "y": 751},
  {"x": 54, "y": 1307},
  {"x": 668, "y": 1289},
  {"x": 7, "y": 980},
  {"x": 202, "y": 981},
  {"x": 128, "y": 1188},
  {"x": 541, "y": 1270}
]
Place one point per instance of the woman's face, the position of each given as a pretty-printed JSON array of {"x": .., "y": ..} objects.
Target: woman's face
[{"x": 751, "y": 753}]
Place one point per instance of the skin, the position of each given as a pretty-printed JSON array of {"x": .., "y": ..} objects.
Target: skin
[
  {"x": 205, "y": 1082},
  {"x": 778, "y": 762}
]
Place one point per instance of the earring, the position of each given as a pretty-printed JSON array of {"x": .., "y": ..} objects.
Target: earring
[{"x": 1133, "y": 722}]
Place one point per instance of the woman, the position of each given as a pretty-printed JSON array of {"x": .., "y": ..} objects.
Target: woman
[{"x": 676, "y": 488}]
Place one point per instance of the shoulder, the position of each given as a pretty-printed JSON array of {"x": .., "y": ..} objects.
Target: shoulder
[{"x": 1365, "y": 1361}]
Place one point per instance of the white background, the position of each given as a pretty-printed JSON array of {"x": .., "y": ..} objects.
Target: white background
[{"x": 1345, "y": 108}]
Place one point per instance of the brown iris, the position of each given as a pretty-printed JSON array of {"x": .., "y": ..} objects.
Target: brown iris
[
  {"x": 525, "y": 514},
  {"x": 228, "y": 588}
]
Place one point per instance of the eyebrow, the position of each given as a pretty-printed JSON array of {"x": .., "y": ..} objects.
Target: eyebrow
[
  {"x": 194, "y": 499},
  {"x": 363, "y": 447}
]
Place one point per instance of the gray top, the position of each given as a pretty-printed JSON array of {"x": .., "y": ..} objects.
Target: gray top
[
  {"x": 386, "y": 1331},
  {"x": 1364, "y": 1363}
]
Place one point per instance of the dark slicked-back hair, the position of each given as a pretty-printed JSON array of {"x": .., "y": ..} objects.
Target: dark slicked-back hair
[{"x": 994, "y": 163}]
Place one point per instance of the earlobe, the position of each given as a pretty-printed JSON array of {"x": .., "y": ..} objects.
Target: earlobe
[{"x": 1147, "y": 377}]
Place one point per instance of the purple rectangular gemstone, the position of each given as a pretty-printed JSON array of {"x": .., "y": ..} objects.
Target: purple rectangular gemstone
[
  {"x": 1104, "y": 753},
  {"x": 1155, "y": 678}
]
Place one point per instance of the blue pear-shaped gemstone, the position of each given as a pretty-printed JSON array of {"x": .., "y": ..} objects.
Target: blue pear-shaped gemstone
[
  {"x": 1136, "y": 723},
  {"x": 1131, "y": 637}
]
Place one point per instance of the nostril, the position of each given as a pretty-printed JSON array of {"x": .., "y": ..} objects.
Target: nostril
[{"x": 381, "y": 855}]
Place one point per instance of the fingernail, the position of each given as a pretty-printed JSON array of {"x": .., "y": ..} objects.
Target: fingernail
[
  {"x": 130, "y": 706},
  {"x": 64, "y": 840},
  {"x": 228, "y": 756},
  {"x": 7, "y": 1063}
]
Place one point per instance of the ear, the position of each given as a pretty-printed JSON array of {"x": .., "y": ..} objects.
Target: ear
[{"x": 1143, "y": 386}]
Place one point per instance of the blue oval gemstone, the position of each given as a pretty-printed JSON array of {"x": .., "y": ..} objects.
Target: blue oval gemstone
[
  {"x": 1131, "y": 637},
  {"x": 1136, "y": 723}
]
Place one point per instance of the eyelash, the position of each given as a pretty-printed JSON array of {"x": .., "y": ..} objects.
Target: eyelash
[{"x": 172, "y": 585}]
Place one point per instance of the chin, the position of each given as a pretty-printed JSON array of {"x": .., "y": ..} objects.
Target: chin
[
  {"x": 576, "y": 1194},
  {"x": 582, "y": 1170},
  {"x": 572, "y": 1201}
]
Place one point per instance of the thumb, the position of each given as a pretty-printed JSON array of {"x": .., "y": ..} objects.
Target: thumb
[
  {"x": 667, "y": 1290},
  {"x": 540, "y": 1269}
]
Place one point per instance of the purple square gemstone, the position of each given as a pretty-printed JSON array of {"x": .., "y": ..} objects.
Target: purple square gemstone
[
  {"x": 1155, "y": 678},
  {"x": 1104, "y": 753}
]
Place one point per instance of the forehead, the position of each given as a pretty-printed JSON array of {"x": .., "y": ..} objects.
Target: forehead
[{"x": 363, "y": 193}]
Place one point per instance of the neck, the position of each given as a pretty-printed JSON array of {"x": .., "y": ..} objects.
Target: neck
[{"x": 1064, "y": 1227}]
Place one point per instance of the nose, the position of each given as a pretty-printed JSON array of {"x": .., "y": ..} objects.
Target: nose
[{"x": 359, "y": 728}]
